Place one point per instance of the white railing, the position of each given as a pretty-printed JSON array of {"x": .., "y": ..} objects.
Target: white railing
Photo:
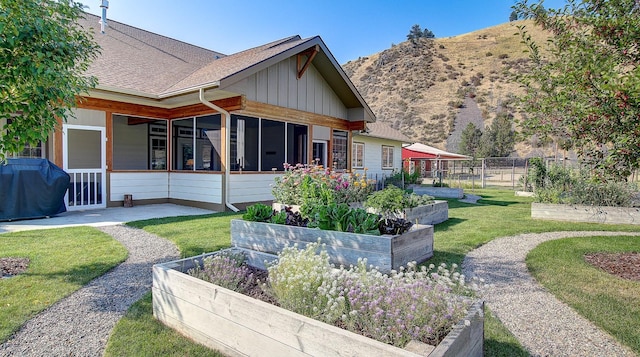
[{"x": 86, "y": 189}]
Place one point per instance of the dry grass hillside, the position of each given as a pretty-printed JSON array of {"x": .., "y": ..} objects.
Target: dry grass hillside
[{"x": 419, "y": 88}]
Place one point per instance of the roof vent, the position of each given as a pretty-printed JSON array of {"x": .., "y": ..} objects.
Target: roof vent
[{"x": 103, "y": 18}]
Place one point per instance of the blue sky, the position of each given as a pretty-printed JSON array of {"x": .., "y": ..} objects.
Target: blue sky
[{"x": 351, "y": 29}]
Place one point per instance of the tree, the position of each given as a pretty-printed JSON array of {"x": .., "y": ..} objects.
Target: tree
[
  {"x": 470, "y": 140},
  {"x": 584, "y": 90},
  {"x": 43, "y": 54},
  {"x": 428, "y": 34},
  {"x": 513, "y": 16},
  {"x": 417, "y": 33},
  {"x": 500, "y": 136}
]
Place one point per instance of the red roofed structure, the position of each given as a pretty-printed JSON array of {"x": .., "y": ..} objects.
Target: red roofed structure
[{"x": 428, "y": 159}]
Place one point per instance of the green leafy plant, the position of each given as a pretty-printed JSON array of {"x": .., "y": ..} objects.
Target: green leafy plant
[
  {"x": 343, "y": 218},
  {"x": 392, "y": 201},
  {"x": 258, "y": 213}
]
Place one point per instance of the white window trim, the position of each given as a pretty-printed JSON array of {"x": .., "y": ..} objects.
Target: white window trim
[
  {"x": 388, "y": 167},
  {"x": 353, "y": 150}
]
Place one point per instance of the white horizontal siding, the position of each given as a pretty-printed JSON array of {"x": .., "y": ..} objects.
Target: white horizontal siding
[
  {"x": 196, "y": 187},
  {"x": 251, "y": 187},
  {"x": 142, "y": 185},
  {"x": 373, "y": 155}
]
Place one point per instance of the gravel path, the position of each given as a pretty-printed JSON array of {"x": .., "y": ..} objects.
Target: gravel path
[
  {"x": 544, "y": 325},
  {"x": 80, "y": 324}
]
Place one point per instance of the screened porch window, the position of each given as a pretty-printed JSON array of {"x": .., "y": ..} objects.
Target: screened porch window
[
  {"x": 297, "y": 144},
  {"x": 264, "y": 145},
  {"x": 196, "y": 143},
  {"x": 244, "y": 143},
  {"x": 139, "y": 143}
]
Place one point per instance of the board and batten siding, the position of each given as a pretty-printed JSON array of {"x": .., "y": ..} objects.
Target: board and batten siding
[
  {"x": 373, "y": 155},
  {"x": 196, "y": 187},
  {"x": 142, "y": 185},
  {"x": 251, "y": 188},
  {"x": 278, "y": 85}
]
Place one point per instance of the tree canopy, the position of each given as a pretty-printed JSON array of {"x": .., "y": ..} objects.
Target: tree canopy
[
  {"x": 44, "y": 54},
  {"x": 416, "y": 33},
  {"x": 583, "y": 91},
  {"x": 470, "y": 141}
]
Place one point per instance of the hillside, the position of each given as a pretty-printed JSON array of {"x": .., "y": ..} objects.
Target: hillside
[{"x": 420, "y": 88}]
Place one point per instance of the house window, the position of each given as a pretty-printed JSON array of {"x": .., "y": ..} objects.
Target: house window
[
  {"x": 340, "y": 144},
  {"x": 139, "y": 143},
  {"x": 357, "y": 155},
  {"x": 196, "y": 143},
  {"x": 29, "y": 151},
  {"x": 387, "y": 157}
]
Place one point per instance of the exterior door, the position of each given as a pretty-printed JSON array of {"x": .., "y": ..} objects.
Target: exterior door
[{"x": 84, "y": 159}]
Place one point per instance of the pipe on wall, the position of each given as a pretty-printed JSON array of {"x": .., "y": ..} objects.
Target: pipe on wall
[{"x": 227, "y": 151}]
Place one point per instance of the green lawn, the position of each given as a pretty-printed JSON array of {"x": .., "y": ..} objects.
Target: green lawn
[
  {"x": 61, "y": 262},
  {"x": 610, "y": 302},
  {"x": 498, "y": 214}
]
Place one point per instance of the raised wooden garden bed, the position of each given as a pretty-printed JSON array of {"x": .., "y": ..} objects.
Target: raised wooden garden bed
[
  {"x": 238, "y": 325},
  {"x": 434, "y": 213},
  {"x": 441, "y": 192},
  {"x": 579, "y": 213},
  {"x": 385, "y": 252}
]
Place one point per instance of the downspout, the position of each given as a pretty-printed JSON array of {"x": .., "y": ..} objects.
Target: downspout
[{"x": 227, "y": 149}]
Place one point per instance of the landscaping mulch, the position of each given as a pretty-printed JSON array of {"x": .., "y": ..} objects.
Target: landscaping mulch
[
  {"x": 13, "y": 266},
  {"x": 623, "y": 265}
]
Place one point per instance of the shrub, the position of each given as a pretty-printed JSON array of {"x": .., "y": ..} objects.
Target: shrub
[
  {"x": 392, "y": 201},
  {"x": 412, "y": 304},
  {"x": 227, "y": 270},
  {"x": 397, "y": 178},
  {"x": 558, "y": 184}
]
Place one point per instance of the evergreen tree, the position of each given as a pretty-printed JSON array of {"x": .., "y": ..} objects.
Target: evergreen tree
[
  {"x": 415, "y": 33},
  {"x": 470, "y": 140},
  {"x": 502, "y": 135},
  {"x": 513, "y": 16},
  {"x": 428, "y": 34}
]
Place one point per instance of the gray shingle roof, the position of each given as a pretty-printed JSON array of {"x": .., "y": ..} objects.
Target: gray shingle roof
[
  {"x": 139, "y": 60},
  {"x": 384, "y": 131}
]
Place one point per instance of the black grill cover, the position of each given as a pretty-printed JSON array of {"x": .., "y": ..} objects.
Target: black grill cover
[{"x": 31, "y": 188}]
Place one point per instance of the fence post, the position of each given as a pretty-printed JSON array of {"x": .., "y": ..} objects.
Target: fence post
[
  {"x": 513, "y": 174},
  {"x": 482, "y": 174}
]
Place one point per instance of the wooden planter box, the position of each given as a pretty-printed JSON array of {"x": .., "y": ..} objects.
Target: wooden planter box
[
  {"x": 385, "y": 252},
  {"x": 593, "y": 214},
  {"x": 434, "y": 213},
  {"x": 441, "y": 192},
  {"x": 238, "y": 325}
]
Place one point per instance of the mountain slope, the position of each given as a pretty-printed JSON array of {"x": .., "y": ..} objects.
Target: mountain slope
[{"x": 419, "y": 87}]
